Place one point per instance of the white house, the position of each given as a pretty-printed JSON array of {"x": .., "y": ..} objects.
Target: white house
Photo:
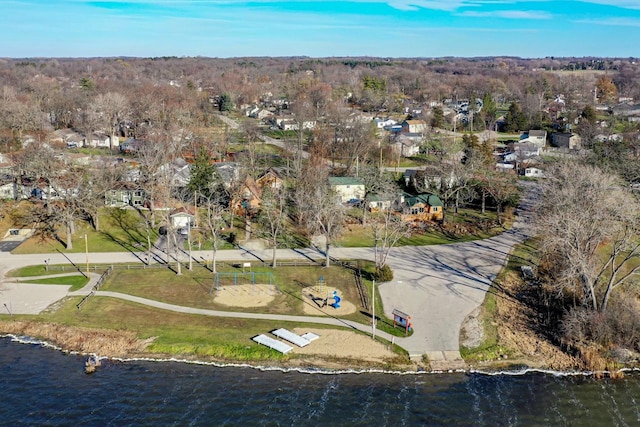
[
  {"x": 347, "y": 187},
  {"x": 182, "y": 218},
  {"x": 8, "y": 191},
  {"x": 533, "y": 173},
  {"x": 101, "y": 140},
  {"x": 414, "y": 126},
  {"x": 537, "y": 137},
  {"x": 292, "y": 124},
  {"x": 384, "y": 123}
]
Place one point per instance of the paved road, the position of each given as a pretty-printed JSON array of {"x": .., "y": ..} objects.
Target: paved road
[{"x": 437, "y": 285}]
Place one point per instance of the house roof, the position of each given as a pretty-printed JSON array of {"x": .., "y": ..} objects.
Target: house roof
[
  {"x": 538, "y": 133},
  {"x": 345, "y": 180},
  {"x": 425, "y": 198},
  {"x": 181, "y": 211},
  {"x": 271, "y": 171}
]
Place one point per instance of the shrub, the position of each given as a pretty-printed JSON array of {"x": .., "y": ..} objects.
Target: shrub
[{"x": 384, "y": 274}]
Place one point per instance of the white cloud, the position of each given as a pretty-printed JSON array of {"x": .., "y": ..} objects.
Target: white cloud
[
  {"x": 623, "y": 4},
  {"x": 616, "y": 22},
  {"x": 509, "y": 14}
]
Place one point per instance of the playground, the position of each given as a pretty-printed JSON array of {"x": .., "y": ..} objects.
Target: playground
[{"x": 322, "y": 302}]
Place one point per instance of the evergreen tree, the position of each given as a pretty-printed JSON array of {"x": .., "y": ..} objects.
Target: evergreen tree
[
  {"x": 202, "y": 177},
  {"x": 225, "y": 103},
  {"x": 515, "y": 119},
  {"x": 589, "y": 114},
  {"x": 437, "y": 121},
  {"x": 489, "y": 110}
]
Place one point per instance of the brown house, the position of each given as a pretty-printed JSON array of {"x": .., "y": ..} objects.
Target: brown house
[
  {"x": 271, "y": 178},
  {"x": 423, "y": 207}
]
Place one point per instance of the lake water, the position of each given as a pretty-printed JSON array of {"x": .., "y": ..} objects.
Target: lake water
[{"x": 43, "y": 386}]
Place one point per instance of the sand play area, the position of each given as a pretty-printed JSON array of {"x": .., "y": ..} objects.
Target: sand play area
[
  {"x": 256, "y": 295},
  {"x": 314, "y": 302},
  {"x": 345, "y": 344}
]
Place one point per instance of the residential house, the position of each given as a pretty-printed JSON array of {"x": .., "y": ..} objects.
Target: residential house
[
  {"x": 414, "y": 126},
  {"x": 177, "y": 173},
  {"x": 566, "y": 140},
  {"x": 349, "y": 188},
  {"x": 131, "y": 145},
  {"x": 423, "y": 207},
  {"x": 182, "y": 217},
  {"x": 9, "y": 188},
  {"x": 378, "y": 202},
  {"x": 292, "y": 124},
  {"x": 383, "y": 123},
  {"x": 526, "y": 149},
  {"x": 616, "y": 137},
  {"x": 250, "y": 197},
  {"x": 409, "y": 176},
  {"x": 537, "y": 137},
  {"x": 229, "y": 172},
  {"x": 406, "y": 144},
  {"x": 125, "y": 194},
  {"x": 100, "y": 140},
  {"x": 505, "y": 167},
  {"x": 71, "y": 138},
  {"x": 270, "y": 178},
  {"x": 533, "y": 172}
]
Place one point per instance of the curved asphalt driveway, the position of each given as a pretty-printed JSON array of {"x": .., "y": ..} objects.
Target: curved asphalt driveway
[{"x": 439, "y": 286}]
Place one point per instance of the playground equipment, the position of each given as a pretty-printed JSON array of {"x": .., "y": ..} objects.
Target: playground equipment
[
  {"x": 320, "y": 284},
  {"x": 336, "y": 300},
  {"x": 402, "y": 319},
  {"x": 237, "y": 278}
]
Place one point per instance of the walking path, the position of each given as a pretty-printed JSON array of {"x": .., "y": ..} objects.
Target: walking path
[{"x": 437, "y": 285}]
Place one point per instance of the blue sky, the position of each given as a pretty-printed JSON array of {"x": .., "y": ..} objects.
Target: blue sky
[{"x": 388, "y": 28}]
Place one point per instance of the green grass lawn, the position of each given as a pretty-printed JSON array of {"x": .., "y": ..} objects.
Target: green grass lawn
[
  {"x": 120, "y": 230},
  {"x": 177, "y": 334},
  {"x": 478, "y": 225},
  {"x": 76, "y": 282}
]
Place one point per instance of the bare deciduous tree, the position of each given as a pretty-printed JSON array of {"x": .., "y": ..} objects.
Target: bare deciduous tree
[
  {"x": 590, "y": 232},
  {"x": 215, "y": 206},
  {"x": 273, "y": 212}
]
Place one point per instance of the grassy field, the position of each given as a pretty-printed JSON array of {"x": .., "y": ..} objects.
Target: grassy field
[
  {"x": 193, "y": 288},
  {"x": 76, "y": 282},
  {"x": 472, "y": 225},
  {"x": 120, "y": 230}
]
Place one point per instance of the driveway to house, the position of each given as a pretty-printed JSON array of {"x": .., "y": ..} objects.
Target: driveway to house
[{"x": 438, "y": 286}]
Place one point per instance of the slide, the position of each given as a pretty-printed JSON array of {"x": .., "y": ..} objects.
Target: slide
[{"x": 336, "y": 300}]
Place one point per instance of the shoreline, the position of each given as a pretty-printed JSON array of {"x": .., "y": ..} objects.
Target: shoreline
[
  {"x": 125, "y": 345},
  {"x": 304, "y": 365}
]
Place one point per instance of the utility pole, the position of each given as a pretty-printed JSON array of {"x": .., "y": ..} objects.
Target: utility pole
[
  {"x": 373, "y": 309},
  {"x": 189, "y": 243},
  {"x": 86, "y": 252}
]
